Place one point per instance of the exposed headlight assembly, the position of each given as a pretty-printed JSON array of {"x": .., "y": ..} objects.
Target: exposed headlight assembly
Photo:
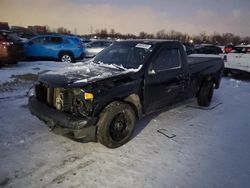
[{"x": 32, "y": 91}]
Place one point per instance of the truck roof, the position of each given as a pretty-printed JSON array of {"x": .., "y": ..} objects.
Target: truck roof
[{"x": 150, "y": 41}]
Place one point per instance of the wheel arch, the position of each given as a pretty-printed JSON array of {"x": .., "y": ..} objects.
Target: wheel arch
[
  {"x": 207, "y": 78},
  {"x": 66, "y": 52},
  {"x": 133, "y": 100}
]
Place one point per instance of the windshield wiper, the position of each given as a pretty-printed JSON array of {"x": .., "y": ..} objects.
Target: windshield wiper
[{"x": 119, "y": 67}]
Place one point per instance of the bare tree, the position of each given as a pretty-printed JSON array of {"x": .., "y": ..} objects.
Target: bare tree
[
  {"x": 142, "y": 35},
  {"x": 62, "y": 30},
  {"x": 112, "y": 32},
  {"x": 161, "y": 34},
  {"x": 203, "y": 37},
  {"x": 103, "y": 33}
]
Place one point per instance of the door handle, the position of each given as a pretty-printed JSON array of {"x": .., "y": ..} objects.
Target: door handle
[
  {"x": 151, "y": 72},
  {"x": 180, "y": 76},
  {"x": 183, "y": 76}
]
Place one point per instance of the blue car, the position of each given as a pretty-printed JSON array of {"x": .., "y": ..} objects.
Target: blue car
[{"x": 59, "y": 47}]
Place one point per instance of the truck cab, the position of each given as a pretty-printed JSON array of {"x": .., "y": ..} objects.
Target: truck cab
[{"x": 166, "y": 78}]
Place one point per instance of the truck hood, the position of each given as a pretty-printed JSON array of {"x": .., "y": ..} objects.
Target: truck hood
[{"x": 81, "y": 74}]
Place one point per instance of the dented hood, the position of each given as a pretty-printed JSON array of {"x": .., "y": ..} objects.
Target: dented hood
[{"x": 81, "y": 74}]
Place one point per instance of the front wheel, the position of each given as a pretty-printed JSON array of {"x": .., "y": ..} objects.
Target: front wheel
[
  {"x": 66, "y": 57},
  {"x": 116, "y": 124},
  {"x": 205, "y": 94}
]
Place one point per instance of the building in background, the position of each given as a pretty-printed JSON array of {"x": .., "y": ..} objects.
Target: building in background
[
  {"x": 4, "y": 26},
  {"x": 18, "y": 29},
  {"x": 38, "y": 29},
  {"x": 23, "y": 32}
]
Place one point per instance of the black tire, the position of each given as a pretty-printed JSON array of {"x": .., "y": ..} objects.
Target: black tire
[
  {"x": 66, "y": 57},
  {"x": 116, "y": 124},
  {"x": 205, "y": 94},
  {"x": 234, "y": 72}
]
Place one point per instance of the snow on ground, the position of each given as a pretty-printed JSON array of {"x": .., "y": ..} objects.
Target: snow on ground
[
  {"x": 211, "y": 147},
  {"x": 28, "y": 67},
  {"x": 8, "y": 74}
]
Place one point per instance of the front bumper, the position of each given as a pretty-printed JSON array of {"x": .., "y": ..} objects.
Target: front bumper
[{"x": 63, "y": 123}]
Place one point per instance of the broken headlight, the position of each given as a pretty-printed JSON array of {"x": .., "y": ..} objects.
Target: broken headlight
[{"x": 32, "y": 91}]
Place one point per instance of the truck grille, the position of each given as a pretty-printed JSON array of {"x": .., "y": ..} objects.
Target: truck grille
[{"x": 55, "y": 97}]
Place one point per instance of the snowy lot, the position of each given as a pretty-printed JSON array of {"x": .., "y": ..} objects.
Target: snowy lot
[{"x": 211, "y": 147}]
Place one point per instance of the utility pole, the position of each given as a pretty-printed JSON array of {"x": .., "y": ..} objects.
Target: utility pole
[{"x": 91, "y": 29}]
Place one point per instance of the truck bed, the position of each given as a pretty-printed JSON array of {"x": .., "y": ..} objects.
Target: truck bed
[{"x": 204, "y": 63}]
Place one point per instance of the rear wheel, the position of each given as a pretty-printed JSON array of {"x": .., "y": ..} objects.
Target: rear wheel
[
  {"x": 66, "y": 57},
  {"x": 116, "y": 124},
  {"x": 205, "y": 94}
]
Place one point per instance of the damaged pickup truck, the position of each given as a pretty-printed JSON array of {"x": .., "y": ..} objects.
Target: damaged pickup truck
[{"x": 102, "y": 99}]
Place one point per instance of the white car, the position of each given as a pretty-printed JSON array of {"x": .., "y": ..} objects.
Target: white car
[
  {"x": 94, "y": 47},
  {"x": 238, "y": 60}
]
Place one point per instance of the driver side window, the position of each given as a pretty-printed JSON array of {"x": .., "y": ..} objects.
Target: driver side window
[
  {"x": 167, "y": 59},
  {"x": 95, "y": 44},
  {"x": 39, "y": 40}
]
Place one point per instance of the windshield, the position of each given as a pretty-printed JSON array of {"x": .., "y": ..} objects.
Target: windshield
[
  {"x": 11, "y": 36},
  {"x": 125, "y": 54}
]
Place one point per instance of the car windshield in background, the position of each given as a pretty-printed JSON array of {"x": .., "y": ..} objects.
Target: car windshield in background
[
  {"x": 12, "y": 36},
  {"x": 77, "y": 40},
  {"x": 125, "y": 54}
]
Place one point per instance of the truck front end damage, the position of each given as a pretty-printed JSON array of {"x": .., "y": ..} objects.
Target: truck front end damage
[{"x": 65, "y": 111}]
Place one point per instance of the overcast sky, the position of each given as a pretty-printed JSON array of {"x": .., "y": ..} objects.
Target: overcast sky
[{"x": 132, "y": 16}]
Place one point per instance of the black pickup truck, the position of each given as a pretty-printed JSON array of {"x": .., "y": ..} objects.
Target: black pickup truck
[{"x": 102, "y": 99}]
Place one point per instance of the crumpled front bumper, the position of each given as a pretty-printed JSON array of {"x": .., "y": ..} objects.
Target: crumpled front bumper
[{"x": 63, "y": 123}]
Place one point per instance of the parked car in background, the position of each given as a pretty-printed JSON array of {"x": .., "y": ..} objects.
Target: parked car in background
[
  {"x": 26, "y": 36},
  {"x": 238, "y": 60},
  {"x": 11, "y": 47},
  {"x": 85, "y": 40},
  {"x": 94, "y": 47},
  {"x": 188, "y": 48},
  {"x": 207, "y": 49},
  {"x": 56, "y": 47},
  {"x": 228, "y": 48}
]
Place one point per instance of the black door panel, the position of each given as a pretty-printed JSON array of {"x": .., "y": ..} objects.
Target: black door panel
[{"x": 168, "y": 83}]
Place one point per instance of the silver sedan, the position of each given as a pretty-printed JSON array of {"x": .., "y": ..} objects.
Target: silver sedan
[{"x": 95, "y": 47}]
